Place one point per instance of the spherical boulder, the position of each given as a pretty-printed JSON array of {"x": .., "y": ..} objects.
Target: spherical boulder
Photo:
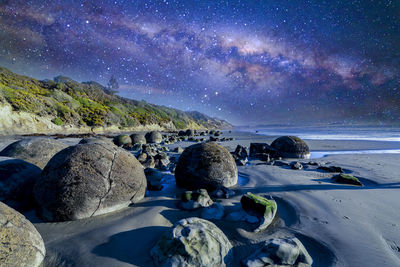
[
  {"x": 88, "y": 180},
  {"x": 291, "y": 147},
  {"x": 21, "y": 243},
  {"x": 138, "y": 138},
  {"x": 17, "y": 178},
  {"x": 37, "y": 151},
  {"x": 122, "y": 139},
  {"x": 153, "y": 137},
  {"x": 206, "y": 165},
  {"x": 193, "y": 242}
]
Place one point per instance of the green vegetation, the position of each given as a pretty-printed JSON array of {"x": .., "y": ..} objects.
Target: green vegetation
[
  {"x": 91, "y": 104},
  {"x": 269, "y": 205},
  {"x": 347, "y": 179}
]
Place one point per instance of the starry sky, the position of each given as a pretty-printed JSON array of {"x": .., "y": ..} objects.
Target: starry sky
[{"x": 249, "y": 62}]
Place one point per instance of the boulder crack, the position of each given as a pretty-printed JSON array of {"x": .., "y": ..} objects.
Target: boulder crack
[{"x": 110, "y": 181}]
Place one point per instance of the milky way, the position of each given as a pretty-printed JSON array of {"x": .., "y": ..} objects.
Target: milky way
[{"x": 249, "y": 62}]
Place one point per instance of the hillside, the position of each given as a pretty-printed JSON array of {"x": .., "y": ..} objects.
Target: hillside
[{"x": 63, "y": 105}]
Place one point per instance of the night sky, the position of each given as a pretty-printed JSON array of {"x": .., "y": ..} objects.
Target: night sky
[{"x": 250, "y": 62}]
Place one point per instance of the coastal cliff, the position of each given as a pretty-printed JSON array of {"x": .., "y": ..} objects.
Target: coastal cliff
[{"x": 63, "y": 105}]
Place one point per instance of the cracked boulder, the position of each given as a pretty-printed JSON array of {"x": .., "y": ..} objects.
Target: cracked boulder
[
  {"x": 206, "y": 165},
  {"x": 37, "y": 151},
  {"x": 193, "y": 242},
  {"x": 88, "y": 180},
  {"x": 21, "y": 243}
]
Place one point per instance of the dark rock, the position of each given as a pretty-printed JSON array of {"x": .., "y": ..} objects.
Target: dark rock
[
  {"x": 181, "y": 133},
  {"x": 214, "y": 139},
  {"x": 291, "y": 147},
  {"x": 261, "y": 148},
  {"x": 154, "y": 178},
  {"x": 331, "y": 169},
  {"x": 296, "y": 165},
  {"x": 206, "y": 165},
  {"x": 37, "y": 151},
  {"x": 191, "y": 200},
  {"x": 17, "y": 178},
  {"x": 189, "y": 132},
  {"x": 88, "y": 180}
]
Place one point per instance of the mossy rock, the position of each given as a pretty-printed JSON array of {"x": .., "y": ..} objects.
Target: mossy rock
[
  {"x": 261, "y": 207},
  {"x": 346, "y": 179},
  {"x": 191, "y": 200}
]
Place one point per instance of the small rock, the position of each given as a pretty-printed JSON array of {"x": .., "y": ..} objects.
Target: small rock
[
  {"x": 191, "y": 200},
  {"x": 296, "y": 166},
  {"x": 331, "y": 169}
]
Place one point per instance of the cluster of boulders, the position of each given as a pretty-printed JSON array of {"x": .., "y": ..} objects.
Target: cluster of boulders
[{"x": 100, "y": 175}]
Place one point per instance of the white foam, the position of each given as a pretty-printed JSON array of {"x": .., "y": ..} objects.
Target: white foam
[{"x": 321, "y": 154}]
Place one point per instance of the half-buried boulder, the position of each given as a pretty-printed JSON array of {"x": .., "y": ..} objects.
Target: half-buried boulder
[
  {"x": 291, "y": 147},
  {"x": 346, "y": 179},
  {"x": 260, "y": 207},
  {"x": 280, "y": 252},
  {"x": 87, "y": 180},
  {"x": 153, "y": 137},
  {"x": 138, "y": 138},
  {"x": 21, "y": 243},
  {"x": 37, "y": 151},
  {"x": 17, "y": 178},
  {"x": 193, "y": 242},
  {"x": 206, "y": 165}
]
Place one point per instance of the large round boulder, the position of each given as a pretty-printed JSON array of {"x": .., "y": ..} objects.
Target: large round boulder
[
  {"x": 17, "y": 178},
  {"x": 153, "y": 137},
  {"x": 21, "y": 243},
  {"x": 206, "y": 165},
  {"x": 37, "y": 151},
  {"x": 291, "y": 147},
  {"x": 88, "y": 180},
  {"x": 138, "y": 138},
  {"x": 193, "y": 242}
]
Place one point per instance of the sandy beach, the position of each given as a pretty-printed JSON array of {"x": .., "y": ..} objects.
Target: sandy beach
[{"x": 340, "y": 225}]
